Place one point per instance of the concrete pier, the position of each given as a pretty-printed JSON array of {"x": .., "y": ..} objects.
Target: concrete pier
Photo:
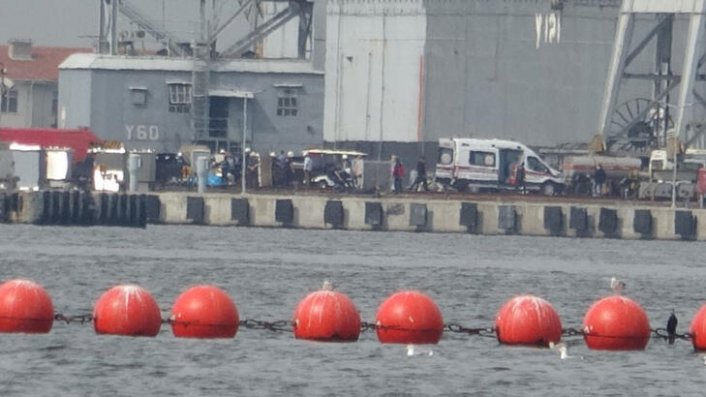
[
  {"x": 496, "y": 215},
  {"x": 410, "y": 214}
]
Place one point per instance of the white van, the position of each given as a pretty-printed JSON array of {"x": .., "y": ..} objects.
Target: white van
[{"x": 476, "y": 164}]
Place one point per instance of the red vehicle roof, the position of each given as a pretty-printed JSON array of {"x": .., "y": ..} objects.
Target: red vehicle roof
[{"x": 80, "y": 140}]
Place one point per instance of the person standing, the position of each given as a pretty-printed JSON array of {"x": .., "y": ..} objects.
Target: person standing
[
  {"x": 599, "y": 178},
  {"x": 398, "y": 174},
  {"x": 253, "y": 170},
  {"x": 421, "y": 178},
  {"x": 520, "y": 177},
  {"x": 701, "y": 184},
  {"x": 357, "y": 170},
  {"x": 308, "y": 167}
]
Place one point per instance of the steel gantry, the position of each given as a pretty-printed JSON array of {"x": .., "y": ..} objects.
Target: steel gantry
[{"x": 648, "y": 125}]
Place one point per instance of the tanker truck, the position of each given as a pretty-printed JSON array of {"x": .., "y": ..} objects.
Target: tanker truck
[{"x": 623, "y": 174}]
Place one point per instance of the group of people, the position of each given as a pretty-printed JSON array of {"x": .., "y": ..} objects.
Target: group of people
[
  {"x": 398, "y": 174},
  {"x": 282, "y": 171},
  {"x": 345, "y": 173},
  {"x": 230, "y": 168}
]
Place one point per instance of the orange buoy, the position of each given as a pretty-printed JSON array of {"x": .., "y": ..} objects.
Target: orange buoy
[
  {"x": 409, "y": 317},
  {"x": 527, "y": 320},
  {"x": 25, "y": 307},
  {"x": 204, "y": 311},
  {"x": 698, "y": 329},
  {"x": 327, "y": 316},
  {"x": 127, "y": 310},
  {"x": 616, "y": 323}
]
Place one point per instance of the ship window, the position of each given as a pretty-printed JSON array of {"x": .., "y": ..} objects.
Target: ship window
[
  {"x": 9, "y": 101},
  {"x": 138, "y": 96},
  {"x": 179, "y": 98},
  {"x": 287, "y": 101},
  {"x": 483, "y": 159}
]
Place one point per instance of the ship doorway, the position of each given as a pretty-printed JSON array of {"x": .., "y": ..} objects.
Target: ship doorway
[{"x": 218, "y": 117}]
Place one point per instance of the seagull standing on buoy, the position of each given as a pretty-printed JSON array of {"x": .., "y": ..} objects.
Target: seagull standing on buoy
[
  {"x": 672, "y": 327},
  {"x": 327, "y": 286},
  {"x": 617, "y": 285}
]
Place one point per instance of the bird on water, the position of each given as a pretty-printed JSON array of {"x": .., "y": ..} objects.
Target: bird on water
[
  {"x": 563, "y": 350},
  {"x": 412, "y": 351},
  {"x": 672, "y": 327}
]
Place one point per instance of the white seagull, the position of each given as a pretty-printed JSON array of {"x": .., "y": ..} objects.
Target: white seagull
[
  {"x": 412, "y": 352},
  {"x": 563, "y": 350},
  {"x": 616, "y": 285},
  {"x": 327, "y": 286}
]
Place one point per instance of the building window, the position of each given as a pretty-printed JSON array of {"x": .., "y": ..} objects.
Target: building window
[
  {"x": 180, "y": 98},
  {"x": 54, "y": 103},
  {"x": 287, "y": 103},
  {"x": 9, "y": 101}
]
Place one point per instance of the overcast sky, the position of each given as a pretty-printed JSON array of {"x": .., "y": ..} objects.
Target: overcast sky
[{"x": 75, "y": 22}]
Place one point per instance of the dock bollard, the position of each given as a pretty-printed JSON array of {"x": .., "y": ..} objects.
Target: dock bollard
[{"x": 133, "y": 166}]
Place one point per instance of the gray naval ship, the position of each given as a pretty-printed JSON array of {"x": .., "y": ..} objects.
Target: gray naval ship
[{"x": 543, "y": 72}]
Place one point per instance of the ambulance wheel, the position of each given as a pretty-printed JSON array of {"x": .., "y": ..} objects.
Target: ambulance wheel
[{"x": 548, "y": 189}]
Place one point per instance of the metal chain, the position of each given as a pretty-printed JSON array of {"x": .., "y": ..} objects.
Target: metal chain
[
  {"x": 81, "y": 318},
  {"x": 282, "y": 325},
  {"x": 287, "y": 326},
  {"x": 572, "y": 332},
  {"x": 664, "y": 334},
  {"x": 457, "y": 328}
]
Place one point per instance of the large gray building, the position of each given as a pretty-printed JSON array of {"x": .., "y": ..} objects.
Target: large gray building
[{"x": 146, "y": 102}]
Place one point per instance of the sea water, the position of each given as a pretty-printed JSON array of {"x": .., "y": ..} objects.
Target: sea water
[{"x": 268, "y": 271}]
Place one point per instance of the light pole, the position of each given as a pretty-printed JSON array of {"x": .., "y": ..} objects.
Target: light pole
[
  {"x": 2, "y": 88},
  {"x": 675, "y": 148},
  {"x": 675, "y": 140}
]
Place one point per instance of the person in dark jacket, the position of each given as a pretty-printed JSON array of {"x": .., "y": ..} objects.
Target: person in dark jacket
[
  {"x": 421, "y": 178},
  {"x": 599, "y": 178}
]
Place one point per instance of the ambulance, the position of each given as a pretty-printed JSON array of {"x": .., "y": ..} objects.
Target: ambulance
[{"x": 492, "y": 164}]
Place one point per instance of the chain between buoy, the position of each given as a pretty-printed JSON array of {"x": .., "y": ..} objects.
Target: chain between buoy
[
  {"x": 287, "y": 326},
  {"x": 81, "y": 318},
  {"x": 282, "y": 325}
]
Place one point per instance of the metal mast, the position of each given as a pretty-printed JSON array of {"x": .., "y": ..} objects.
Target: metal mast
[
  {"x": 108, "y": 27},
  {"x": 200, "y": 79}
]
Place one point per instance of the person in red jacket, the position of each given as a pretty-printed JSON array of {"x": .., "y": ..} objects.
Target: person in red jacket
[{"x": 397, "y": 174}]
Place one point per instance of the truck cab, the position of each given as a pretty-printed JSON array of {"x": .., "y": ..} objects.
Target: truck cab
[{"x": 661, "y": 165}]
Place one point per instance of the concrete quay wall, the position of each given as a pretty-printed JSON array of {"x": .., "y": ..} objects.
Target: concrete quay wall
[{"x": 609, "y": 220}]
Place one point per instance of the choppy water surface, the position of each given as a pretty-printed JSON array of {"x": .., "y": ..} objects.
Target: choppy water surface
[{"x": 267, "y": 272}]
